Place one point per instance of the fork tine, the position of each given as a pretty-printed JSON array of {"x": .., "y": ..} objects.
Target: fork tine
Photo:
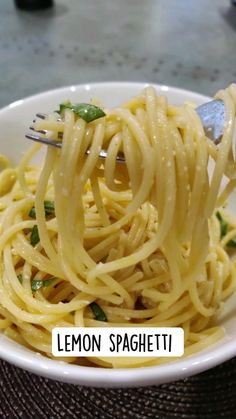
[
  {"x": 41, "y": 131},
  {"x": 34, "y": 136},
  {"x": 44, "y": 132},
  {"x": 103, "y": 153},
  {"x": 47, "y": 141},
  {"x": 44, "y": 116},
  {"x": 41, "y": 115}
]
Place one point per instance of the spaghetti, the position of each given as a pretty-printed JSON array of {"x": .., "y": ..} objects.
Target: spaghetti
[{"x": 92, "y": 242}]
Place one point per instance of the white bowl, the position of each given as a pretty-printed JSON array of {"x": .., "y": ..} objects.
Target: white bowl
[{"x": 14, "y": 122}]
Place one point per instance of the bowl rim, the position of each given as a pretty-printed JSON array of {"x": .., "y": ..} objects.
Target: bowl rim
[
  {"x": 118, "y": 378},
  {"x": 99, "y": 376},
  {"x": 100, "y": 84}
]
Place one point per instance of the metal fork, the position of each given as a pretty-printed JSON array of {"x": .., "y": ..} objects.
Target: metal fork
[{"x": 212, "y": 115}]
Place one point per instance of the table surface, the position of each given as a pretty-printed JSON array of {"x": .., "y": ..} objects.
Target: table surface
[{"x": 189, "y": 44}]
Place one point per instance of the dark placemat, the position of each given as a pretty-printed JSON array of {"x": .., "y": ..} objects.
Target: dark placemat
[{"x": 209, "y": 395}]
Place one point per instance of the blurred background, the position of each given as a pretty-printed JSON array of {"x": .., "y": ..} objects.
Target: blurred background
[{"x": 190, "y": 44}]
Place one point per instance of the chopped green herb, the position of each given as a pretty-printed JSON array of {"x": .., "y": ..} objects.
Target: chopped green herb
[
  {"x": 98, "y": 312},
  {"x": 34, "y": 237},
  {"x": 223, "y": 230},
  {"x": 20, "y": 278},
  {"x": 86, "y": 111},
  {"x": 63, "y": 106},
  {"x": 48, "y": 207},
  {"x": 223, "y": 225},
  {"x": 36, "y": 284},
  {"x": 231, "y": 243},
  {"x": 32, "y": 213}
]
